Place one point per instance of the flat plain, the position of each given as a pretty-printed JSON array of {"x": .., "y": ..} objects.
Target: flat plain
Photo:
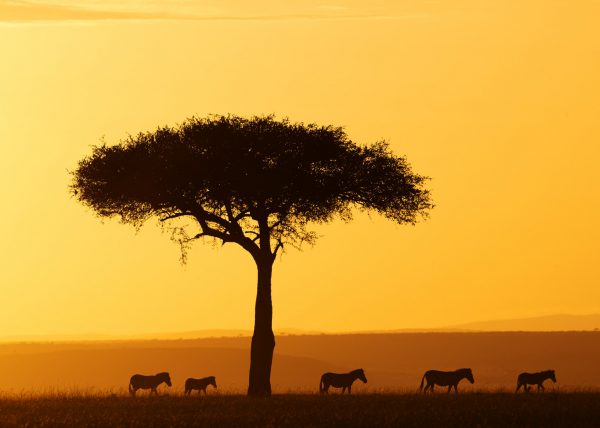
[
  {"x": 85, "y": 383},
  {"x": 484, "y": 409}
]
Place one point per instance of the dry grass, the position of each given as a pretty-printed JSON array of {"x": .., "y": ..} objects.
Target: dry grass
[{"x": 575, "y": 409}]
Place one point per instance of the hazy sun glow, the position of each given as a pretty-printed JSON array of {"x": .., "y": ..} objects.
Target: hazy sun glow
[{"x": 496, "y": 101}]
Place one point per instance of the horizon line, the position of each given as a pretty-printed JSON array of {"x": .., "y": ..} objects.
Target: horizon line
[{"x": 463, "y": 326}]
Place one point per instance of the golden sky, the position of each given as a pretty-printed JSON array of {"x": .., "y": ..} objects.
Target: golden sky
[{"x": 497, "y": 101}]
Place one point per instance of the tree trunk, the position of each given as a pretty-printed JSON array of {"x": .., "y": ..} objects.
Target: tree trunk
[{"x": 263, "y": 340}]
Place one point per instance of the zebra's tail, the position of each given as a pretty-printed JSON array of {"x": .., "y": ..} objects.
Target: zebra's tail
[
  {"x": 131, "y": 390},
  {"x": 422, "y": 382},
  {"x": 321, "y": 386}
]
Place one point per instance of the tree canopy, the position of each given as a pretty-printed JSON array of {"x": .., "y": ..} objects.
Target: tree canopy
[{"x": 256, "y": 181}]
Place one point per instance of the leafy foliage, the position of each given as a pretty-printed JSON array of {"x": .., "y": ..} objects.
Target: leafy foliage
[{"x": 257, "y": 182}]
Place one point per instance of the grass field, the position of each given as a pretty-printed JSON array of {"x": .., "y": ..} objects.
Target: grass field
[{"x": 573, "y": 409}]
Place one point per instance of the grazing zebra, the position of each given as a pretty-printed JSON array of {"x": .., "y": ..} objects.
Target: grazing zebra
[
  {"x": 341, "y": 380},
  {"x": 199, "y": 384},
  {"x": 449, "y": 379},
  {"x": 139, "y": 381},
  {"x": 538, "y": 379}
]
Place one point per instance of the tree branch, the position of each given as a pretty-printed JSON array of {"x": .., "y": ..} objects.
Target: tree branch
[
  {"x": 264, "y": 232},
  {"x": 209, "y": 231},
  {"x": 172, "y": 216},
  {"x": 256, "y": 235},
  {"x": 278, "y": 247},
  {"x": 213, "y": 218},
  {"x": 203, "y": 217},
  {"x": 274, "y": 225},
  {"x": 233, "y": 224},
  {"x": 242, "y": 215}
]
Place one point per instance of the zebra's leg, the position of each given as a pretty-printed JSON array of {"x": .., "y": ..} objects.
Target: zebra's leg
[
  {"x": 518, "y": 387},
  {"x": 456, "y": 388},
  {"x": 449, "y": 389},
  {"x": 350, "y": 389},
  {"x": 540, "y": 386},
  {"x": 431, "y": 387}
]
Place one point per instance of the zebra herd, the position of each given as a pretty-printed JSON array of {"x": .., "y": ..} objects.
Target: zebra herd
[
  {"x": 434, "y": 377},
  {"x": 345, "y": 380},
  {"x": 152, "y": 382}
]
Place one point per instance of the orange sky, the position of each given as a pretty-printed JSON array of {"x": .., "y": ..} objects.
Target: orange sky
[{"x": 496, "y": 101}]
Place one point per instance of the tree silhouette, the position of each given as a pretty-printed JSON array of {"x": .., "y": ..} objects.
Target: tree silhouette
[{"x": 255, "y": 182}]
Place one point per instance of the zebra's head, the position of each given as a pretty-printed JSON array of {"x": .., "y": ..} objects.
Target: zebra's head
[
  {"x": 552, "y": 375},
  {"x": 469, "y": 375},
  {"x": 165, "y": 377},
  {"x": 213, "y": 381},
  {"x": 360, "y": 374}
]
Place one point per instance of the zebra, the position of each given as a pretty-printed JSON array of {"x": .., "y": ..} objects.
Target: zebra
[
  {"x": 538, "y": 379},
  {"x": 449, "y": 379},
  {"x": 199, "y": 384},
  {"x": 139, "y": 381},
  {"x": 341, "y": 380}
]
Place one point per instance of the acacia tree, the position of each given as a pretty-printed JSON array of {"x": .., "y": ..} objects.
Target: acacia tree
[{"x": 258, "y": 183}]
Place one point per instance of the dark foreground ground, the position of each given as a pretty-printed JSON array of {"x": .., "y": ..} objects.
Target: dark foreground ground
[{"x": 290, "y": 410}]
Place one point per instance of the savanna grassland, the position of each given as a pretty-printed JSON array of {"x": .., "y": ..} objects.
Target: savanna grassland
[
  {"x": 391, "y": 361},
  {"x": 573, "y": 409},
  {"x": 85, "y": 383}
]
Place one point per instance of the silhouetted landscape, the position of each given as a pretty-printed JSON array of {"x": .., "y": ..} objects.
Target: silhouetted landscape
[
  {"x": 299, "y": 214},
  {"x": 85, "y": 383},
  {"x": 393, "y": 362}
]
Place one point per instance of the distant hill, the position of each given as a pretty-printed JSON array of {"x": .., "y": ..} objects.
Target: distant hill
[{"x": 561, "y": 322}]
